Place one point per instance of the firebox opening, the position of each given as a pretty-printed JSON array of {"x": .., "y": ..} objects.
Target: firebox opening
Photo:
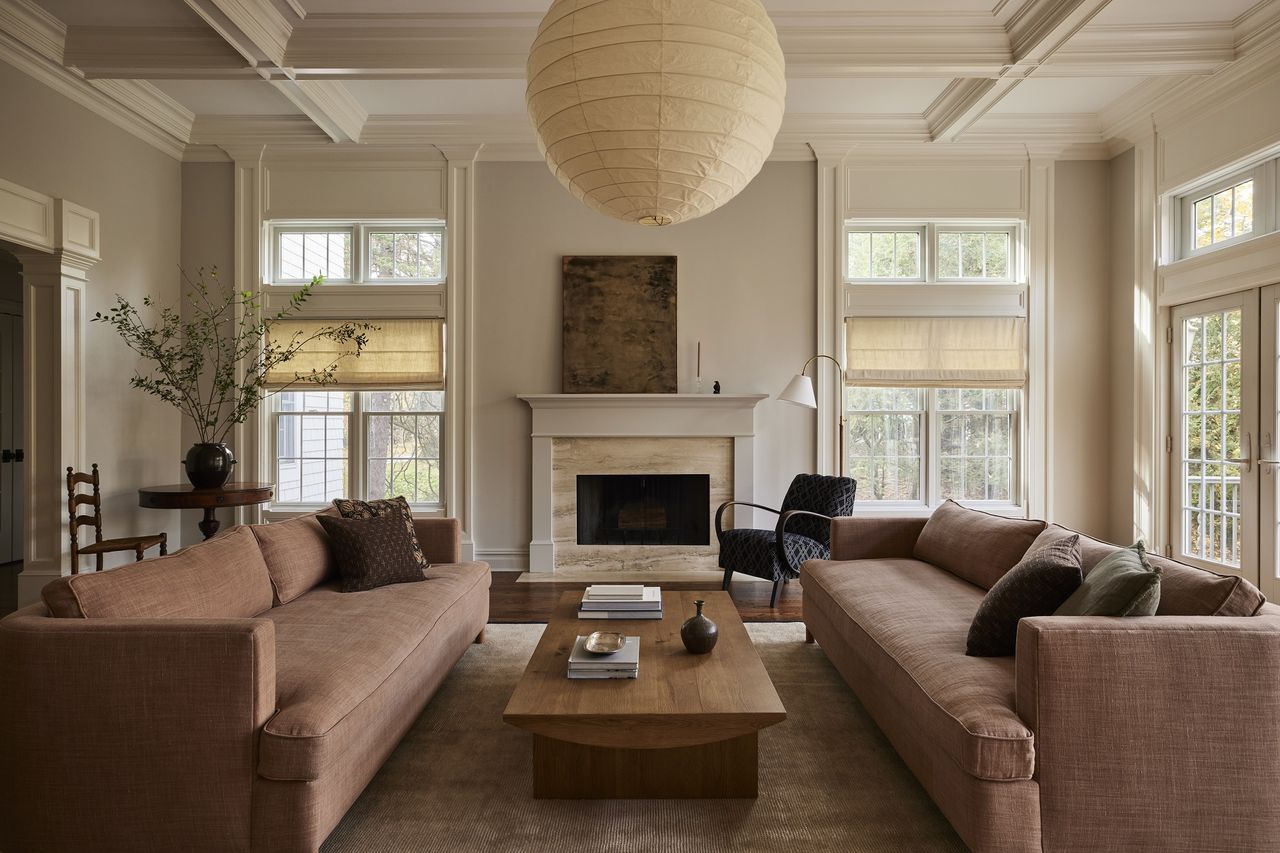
[{"x": 644, "y": 509}]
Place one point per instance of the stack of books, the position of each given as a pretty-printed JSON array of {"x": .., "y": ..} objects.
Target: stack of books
[
  {"x": 627, "y": 601},
  {"x": 624, "y": 663}
]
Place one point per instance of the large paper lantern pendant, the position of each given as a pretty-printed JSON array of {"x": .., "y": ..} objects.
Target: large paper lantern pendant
[{"x": 656, "y": 111}]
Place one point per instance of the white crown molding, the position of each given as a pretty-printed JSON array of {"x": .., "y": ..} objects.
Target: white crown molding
[
  {"x": 1120, "y": 51},
  {"x": 132, "y": 105},
  {"x": 254, "y": 28}
]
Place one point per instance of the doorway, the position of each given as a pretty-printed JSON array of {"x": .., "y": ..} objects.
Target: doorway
[
  {"x": 1225, "y": 428},
  {"x": 11, "y": 429}
]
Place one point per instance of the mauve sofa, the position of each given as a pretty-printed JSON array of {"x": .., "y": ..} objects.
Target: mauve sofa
[
  {"x": 224, "y": 698},
  {"x": 1152, "y": 734}
]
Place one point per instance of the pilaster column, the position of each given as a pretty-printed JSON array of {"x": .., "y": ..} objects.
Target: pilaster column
[
  {"x": 54, "y": 318},
  {"x": 460, "y": 354},
  {"x": 1039, "y": 451},
  {"x": 829, "y": 286}
]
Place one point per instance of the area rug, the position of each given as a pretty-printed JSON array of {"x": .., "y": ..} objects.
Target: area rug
[{"x": 460, "y": 780}]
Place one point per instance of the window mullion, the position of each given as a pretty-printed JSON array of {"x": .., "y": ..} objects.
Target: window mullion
[
  {"x": 932, "y": 446},
  {"x": 356, "y": 427}
]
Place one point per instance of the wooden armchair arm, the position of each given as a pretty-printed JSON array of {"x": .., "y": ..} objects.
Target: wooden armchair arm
[
  {"x": 727, "y": 504},
  {"x": 781, "y": 530}
]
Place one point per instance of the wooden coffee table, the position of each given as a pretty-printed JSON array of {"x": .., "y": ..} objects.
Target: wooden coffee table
[{"x": 686, "y": 728}]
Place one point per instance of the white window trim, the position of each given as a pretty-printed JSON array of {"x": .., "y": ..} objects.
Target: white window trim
[
  {"x": 1265, "y": 204},
  {"x": 360, "y": 232},
  {"x": 1016, "y": 254},
  {"x": 929, "y": 232},
  {"x": 931, "y": 470},
  {"x": 356, "y": 457},
  {"x": 886, "y": 227}
]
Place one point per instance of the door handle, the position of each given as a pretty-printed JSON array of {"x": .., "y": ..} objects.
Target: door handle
[
  {"x": 1246, "y": 460},
  {"x": 19, "y": 455},
  {"x": 6, "y": 455}
]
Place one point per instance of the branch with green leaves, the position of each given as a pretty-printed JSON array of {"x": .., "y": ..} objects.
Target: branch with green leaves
[{"x": 213, "y": 364}]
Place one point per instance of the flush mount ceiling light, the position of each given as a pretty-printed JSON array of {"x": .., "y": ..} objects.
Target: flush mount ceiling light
[{"x": 656, "y": 111}]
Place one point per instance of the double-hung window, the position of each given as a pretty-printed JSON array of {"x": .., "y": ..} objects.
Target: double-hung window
[
  {"x": 935, "y": 362},
  {"x": 378, "y": 430}
]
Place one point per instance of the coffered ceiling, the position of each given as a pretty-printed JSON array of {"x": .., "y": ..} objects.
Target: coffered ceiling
[{"x": 1062, "y": 72}]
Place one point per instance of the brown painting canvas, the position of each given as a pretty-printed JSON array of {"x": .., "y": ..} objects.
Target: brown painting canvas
[{"x": 619, "y": 324}]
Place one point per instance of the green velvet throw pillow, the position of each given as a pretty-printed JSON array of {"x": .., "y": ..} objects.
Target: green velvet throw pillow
[{"x": 1122, "y": 584}]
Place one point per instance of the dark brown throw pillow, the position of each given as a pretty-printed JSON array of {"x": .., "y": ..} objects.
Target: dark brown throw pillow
[
  {"x": 371, "y": 552},
  {"x": 1036, "y": 586},
  {"x": 397, "y": 507}
]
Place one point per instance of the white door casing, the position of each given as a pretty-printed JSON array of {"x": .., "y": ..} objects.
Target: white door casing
[{"x": 1269, "y": 446}]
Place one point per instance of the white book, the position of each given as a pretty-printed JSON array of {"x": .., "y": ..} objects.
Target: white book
[
  {"x": 582, "y": 676},
  {"x": 620, "y": 614},
  {"x": 650, "y": 600},
  {"x": 622, "y": 592},
  {"x": 628, "y": 655},
  {"x": 622, "y": 668}
]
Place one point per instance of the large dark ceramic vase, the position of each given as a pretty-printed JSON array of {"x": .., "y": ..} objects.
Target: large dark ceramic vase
[
  {"x": 699, "y": 633},
  {"x": 209, "y": 465}
]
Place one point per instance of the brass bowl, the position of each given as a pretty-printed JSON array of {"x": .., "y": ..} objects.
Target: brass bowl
[{"x": 604, "y": 642}]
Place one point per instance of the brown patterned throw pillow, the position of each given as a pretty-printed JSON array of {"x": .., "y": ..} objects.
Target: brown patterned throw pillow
[
  {"x": 1036, "y": 586},
  {"x": 397, "y": 506},
  {"x": 371, "y": 552}
]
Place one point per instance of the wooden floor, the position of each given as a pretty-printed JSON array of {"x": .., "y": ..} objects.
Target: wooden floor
[{"x": 511, "y": 601}]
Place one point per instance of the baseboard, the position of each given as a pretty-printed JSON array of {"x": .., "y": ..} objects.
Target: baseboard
[{"x": 504, "y": 559}]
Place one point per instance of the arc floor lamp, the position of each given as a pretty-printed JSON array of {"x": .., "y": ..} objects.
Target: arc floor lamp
[{"x": 799, "y": 392}]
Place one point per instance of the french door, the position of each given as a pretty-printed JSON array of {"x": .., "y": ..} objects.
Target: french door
[{"x": 1225, "y": 436}]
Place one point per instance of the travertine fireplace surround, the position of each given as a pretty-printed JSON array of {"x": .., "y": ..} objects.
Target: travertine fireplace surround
[{"x": 576, "y": 434}]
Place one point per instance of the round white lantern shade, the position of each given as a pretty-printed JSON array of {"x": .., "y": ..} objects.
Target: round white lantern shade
[{"x": 656, "y": 111}]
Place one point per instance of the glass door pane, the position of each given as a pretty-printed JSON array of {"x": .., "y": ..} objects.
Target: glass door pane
[{"x": 1214, "y": 434}]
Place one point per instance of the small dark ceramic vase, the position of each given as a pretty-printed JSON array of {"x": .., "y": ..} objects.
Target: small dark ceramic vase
[
  {"x": 699, "y": 633},
  {"x": 209, "y": 465}
]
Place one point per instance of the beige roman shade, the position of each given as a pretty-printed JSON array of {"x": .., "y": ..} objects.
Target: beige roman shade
[
  {"x": 400, "y": 354},
  {"x": 936, "y": 352}
]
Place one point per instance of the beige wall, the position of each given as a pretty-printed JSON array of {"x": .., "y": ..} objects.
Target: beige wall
[
  {"x": 1080, "y": 434},
  {"x": 1121, "y": 190},
  {"x": 746, "y": 289},
  {"x": 56, "y": 147},
  {"x": 208, "y": 240}
]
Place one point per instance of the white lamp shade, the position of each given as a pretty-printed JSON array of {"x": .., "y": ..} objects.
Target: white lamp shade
[
  {"x": 800, "y": 392},
  {"x": 656, "y": 111}
]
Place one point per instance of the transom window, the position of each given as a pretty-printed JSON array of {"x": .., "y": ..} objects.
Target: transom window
[
  {"x": 357, "y": 253},
  {"x": 1226, "y": 210},
  {"x": 982, "y": 252},
  {"x": 925, "y": 445},
  {"x": 375, "y": 444}
]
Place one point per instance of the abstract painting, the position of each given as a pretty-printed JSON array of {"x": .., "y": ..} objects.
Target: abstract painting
[{"x": 619, "y": 324}]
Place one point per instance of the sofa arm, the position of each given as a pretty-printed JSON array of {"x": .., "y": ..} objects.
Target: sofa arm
[
  {"x": 871, "y": 538},
  {"x": 131, "y": 734},
  {"x": 440, "y": 538},
  {"x": 1154, "y": 733}
]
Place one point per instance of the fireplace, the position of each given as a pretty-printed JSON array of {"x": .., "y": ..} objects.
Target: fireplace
[{"x": 644, "y": 509}]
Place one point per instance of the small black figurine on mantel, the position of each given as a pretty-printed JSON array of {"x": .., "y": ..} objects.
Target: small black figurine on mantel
[
  {"x": 699, "y": 633},
  {"x": 715, "y": 389}
]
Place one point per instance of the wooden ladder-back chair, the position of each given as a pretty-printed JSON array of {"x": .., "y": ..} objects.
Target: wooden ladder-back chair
[{"x": 137, "y": 544}]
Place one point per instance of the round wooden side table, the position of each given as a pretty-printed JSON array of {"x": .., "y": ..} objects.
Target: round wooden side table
[{"x": 187, "y": 496}]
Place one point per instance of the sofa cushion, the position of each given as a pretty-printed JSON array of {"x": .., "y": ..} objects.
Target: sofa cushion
[
  {"x": 337, "y": 654},
  {"x": 1122, "y": 584},
  {"x": 222, "y": 577},
  {"x": 1037, "y": 586},
  {"x": 396, "y": 507},
  {"x": 1184, "y": 590},
  {"x": 977, "y": 546},
  {"x": 373, "y": 552},
  {"x": 297, "y": 555},
  {"x": 907, "y": 621}
]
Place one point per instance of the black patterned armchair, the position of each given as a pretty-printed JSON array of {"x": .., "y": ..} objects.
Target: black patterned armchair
[{"x": 803, "y": 531}]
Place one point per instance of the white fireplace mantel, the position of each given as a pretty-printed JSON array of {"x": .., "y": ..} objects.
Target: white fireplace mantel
[{"x": 633, "y": 416}]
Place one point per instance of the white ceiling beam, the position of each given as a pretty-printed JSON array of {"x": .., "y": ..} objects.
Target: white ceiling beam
[
  {"x": 327, "y": 103},
  {"x": 254, "y": 28},
  {"x": 1036, "y": 31},
  {"x": 154, "y": 53}
]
